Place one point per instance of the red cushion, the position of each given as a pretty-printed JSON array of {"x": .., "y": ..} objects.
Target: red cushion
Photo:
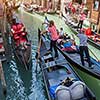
[
  {"x": 16, "y": 37},
  {"x": 19, "y": 26},
  {"x": 67, "y": 49},
  {"x": 14, "y": 27},
  {"x": 88, "y": 31},
  {"x": 22, "y": 39}
]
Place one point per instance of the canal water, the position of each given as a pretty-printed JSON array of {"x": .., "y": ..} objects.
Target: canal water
[{"x": 28, "y": 85}]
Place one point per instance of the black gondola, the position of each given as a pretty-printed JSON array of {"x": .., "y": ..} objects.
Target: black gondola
[
  {"x": 60, "y": 79},
  {"x": 23, "y": 54},
  {"x": 2, "y": 50},
  {"x": 22, "y": 49},
  {"x": 74, "y": 58}
]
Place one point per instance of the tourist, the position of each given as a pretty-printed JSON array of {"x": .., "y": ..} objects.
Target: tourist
[
  {"x": 17, "y": 27},
  {"x": 84, "y": 47},
  {"x": 54, "y": 36},
  {"x": 69, "y": 46}
]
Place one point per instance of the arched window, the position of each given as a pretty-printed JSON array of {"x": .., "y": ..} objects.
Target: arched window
[{"x": 96, "y": 5}]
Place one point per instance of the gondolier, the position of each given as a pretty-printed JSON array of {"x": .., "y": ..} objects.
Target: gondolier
[
  {"x": 82, "y": 17},
  {"x": 84, "y": 47},
  {"x": 54, "y": 36}
]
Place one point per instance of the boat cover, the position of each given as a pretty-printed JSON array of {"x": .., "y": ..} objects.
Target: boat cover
[{"x": 74, "y": 92}]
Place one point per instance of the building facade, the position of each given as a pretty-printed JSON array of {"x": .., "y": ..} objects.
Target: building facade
[
  {"x": 1, "y": 8},
  {"x": 95, "y": 15},
  {"x": 93, "y": 7}
]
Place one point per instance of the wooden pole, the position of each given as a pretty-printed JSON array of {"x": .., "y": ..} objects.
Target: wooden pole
[
  {"x": 38, "y": 54},
  {"x": 3, "y": 82},
  {"x": 38, "y": 51}
]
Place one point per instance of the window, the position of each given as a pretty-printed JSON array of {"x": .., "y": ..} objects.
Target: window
[{"x": 96, "y": 5}]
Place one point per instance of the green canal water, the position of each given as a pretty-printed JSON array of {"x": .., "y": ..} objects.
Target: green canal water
[{"x": 28, "y": 85}]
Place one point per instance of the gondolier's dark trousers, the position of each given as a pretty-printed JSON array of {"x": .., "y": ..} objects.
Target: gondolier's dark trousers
[
  {"x": 84, "y": 49},
  {"x": 80, "y": 24},
  {"x": 53, "y": 45}
]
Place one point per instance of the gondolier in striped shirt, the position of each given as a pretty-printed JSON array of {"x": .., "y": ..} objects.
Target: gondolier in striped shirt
[{"x": 84, "y": 47}]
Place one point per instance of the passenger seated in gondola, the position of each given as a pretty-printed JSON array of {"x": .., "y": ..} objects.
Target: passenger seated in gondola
[
  {"x": 69, "y": 46},
  {"x": 18, "y": 33}
]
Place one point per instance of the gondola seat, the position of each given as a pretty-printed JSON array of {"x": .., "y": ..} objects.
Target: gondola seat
[{"x": 74, "y": 92}]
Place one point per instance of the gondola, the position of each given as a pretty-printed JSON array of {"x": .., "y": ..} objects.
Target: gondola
[
  {"x": 85, "y": 72},
  {"x": 22, "y": 49},
  {"x": 2, "y": 50},
  {"x": 73, "y": 27},
  {"x": 61, "y": 81},
  {"x": 3, "y": 59},
  {"x": 74, "y": 58},
  {"x": 51, "y": 12},
  {"x": 92, "y": 74}
]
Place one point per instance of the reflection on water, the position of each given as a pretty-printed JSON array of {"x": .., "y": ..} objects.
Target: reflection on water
[{"x": 22, "y": 84}]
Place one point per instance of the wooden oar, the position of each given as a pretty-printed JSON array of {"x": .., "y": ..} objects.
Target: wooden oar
[
  {"x": 38, "y": 51},
  {"x": 94, "y": 55},
  {"x": 38, "y": 54}
]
